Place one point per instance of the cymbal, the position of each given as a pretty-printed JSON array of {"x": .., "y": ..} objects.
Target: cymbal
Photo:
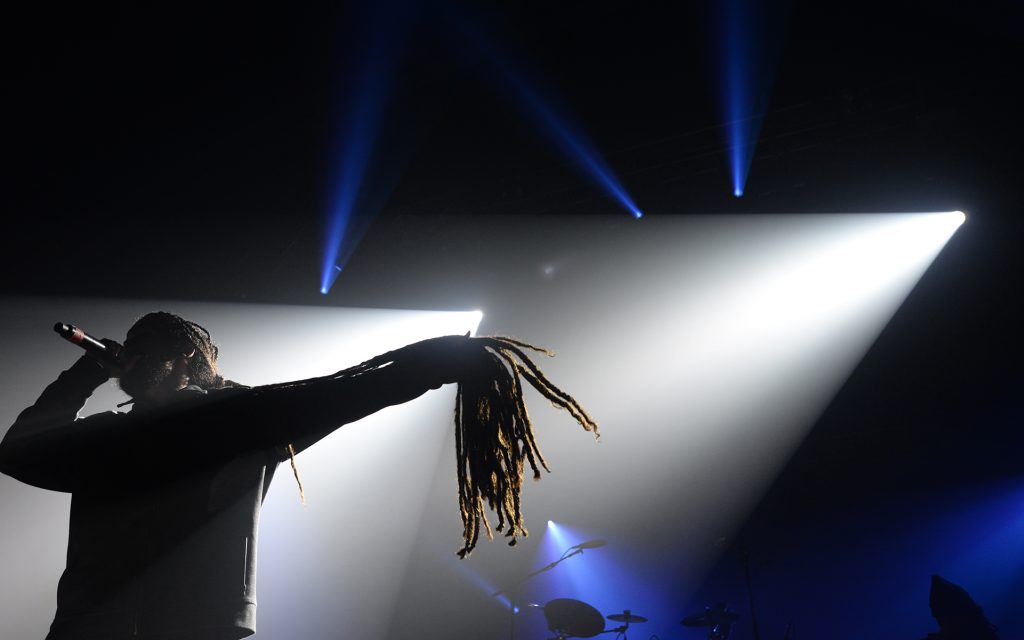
[
  {"x": 626, "y": 617},
  {"x": 573, "y": 617}
]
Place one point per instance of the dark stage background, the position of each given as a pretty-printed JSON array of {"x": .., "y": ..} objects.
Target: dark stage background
[{"x": 184, "y": 152}]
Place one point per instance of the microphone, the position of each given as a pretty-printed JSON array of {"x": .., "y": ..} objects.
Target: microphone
[
  {"x": 590, "y": 544},
  {"x": 76, "y": 336}
]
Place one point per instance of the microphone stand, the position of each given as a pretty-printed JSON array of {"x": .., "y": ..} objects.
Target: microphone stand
[{"x": 568, "y": 553}]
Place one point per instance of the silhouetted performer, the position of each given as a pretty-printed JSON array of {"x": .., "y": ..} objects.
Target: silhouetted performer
[
  {"x": 166, "y": 497},
  {"x": 959, "y": 616}
]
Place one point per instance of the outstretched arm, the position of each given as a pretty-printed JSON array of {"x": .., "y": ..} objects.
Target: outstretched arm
[
  {"x": 49, "y": 448},
  {"x": 494, "y": 434},
  {"x": 302, "y": 413}
]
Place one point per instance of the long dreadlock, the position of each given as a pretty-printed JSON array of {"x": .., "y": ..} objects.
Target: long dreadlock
[{"x": 494, "y": 437}]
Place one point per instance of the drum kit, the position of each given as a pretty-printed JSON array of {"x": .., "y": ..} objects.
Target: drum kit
[{"x": 569, "y": 618}]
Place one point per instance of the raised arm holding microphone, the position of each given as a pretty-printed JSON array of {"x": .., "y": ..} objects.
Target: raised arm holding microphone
[{"x": 166, "y": 497}]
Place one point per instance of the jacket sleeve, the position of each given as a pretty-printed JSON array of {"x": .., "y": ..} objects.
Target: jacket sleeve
[
  {"x": 23, "y": 451},
  {"x": 276, "y": 416},
  {"x": 49, "y": 449}
]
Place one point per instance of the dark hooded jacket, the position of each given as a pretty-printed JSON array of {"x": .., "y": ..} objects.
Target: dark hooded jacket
[{"x": 166, "y": 500}]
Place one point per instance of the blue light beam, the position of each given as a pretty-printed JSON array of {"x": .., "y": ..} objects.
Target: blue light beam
[
  {"x": 748, "y": 61},
  {"x": 366, "y": 92},
  {"x": 605, "y": 578},
  {"x": 484, "y": 585},
  {"x": 554, "y": 122}
]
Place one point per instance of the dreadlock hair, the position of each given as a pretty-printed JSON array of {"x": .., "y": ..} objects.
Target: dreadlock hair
[
  {"x": 186, "y": 335},
  {"x": 494, "y": 437}
]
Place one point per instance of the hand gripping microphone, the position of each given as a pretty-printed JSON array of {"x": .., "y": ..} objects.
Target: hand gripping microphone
[{"x": 75, "y": 335}]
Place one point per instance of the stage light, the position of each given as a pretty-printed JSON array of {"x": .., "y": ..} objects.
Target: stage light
[
  {"x": 352, "y": 205},
  {"x": 571, "y": 140},
  {"x": 822, "y": 283},
  {"x": 596, "y": 571},
  {"x": 552, "y": 120},
  {"x": 749, "y": 46}
]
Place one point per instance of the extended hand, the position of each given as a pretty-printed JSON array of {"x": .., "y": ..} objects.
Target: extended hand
[{"x": 446, "y": 358}]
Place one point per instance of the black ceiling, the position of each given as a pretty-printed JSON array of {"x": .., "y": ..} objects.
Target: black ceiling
[{"x": 135, "y": 134}]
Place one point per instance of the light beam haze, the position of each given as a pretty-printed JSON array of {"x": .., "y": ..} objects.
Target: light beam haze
[{"x": 705, "y": 346}]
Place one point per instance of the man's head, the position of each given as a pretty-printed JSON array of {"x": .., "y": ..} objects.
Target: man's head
[{"x": 163, "y": 353}]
